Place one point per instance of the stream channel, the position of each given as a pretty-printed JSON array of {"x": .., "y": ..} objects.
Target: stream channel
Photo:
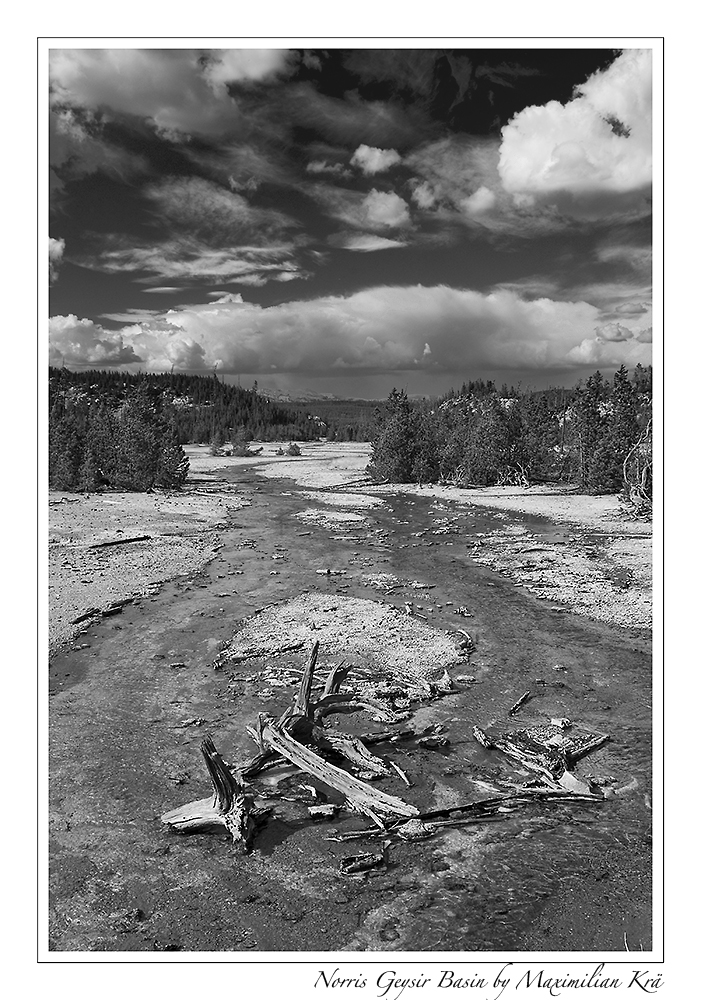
[{"x": 128, "y": 710}]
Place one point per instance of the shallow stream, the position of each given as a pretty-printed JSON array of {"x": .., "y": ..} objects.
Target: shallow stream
[{"x": 128, "y": 710}]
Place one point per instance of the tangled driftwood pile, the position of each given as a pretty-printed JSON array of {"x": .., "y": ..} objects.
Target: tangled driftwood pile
[{"x": 299, "y": 737}]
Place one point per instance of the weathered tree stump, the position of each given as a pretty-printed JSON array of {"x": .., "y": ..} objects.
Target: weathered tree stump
[{"x": 229, "y": 807}]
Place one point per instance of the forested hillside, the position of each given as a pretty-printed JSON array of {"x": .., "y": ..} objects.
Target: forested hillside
[
  {"x": 597, "y": 436},
  {"x": 127, "y": 441},
  {"x": 126, "y": 431}
]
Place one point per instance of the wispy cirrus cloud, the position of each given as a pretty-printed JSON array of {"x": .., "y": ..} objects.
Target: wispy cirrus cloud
[
  {"x": 323, "y": 167},
  {"x": 78, "y": 147},
  {"x": 456, "y": 180},
  {"x": 189, "y": 259},
  {"x": 205, "y": 210},
  {"x": 637, "y": 258},
  {"x": 204, "y": 232},
  {"x": 364, "y": 242},
  {"x": 349, "y": 120}
]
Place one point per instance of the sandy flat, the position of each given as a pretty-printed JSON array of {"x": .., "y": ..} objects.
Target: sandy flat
[
  {"x": 183, "y": 537},
  {"x": 613, "y": 583}
]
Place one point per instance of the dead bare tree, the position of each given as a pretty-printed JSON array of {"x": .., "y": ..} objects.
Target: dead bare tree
[{"x": 637, "y": 473}]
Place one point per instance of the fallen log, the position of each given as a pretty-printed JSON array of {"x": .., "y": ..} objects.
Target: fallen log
[
  {"x": 595, "y": 741},
  {"x": 518, "y": 705},
  {"x": 333, "y": 703},
  {"x": 116, "y": 607},
  {"x": 548, "y": 762},
  {"x": 398, "y": 735},
  {"x": 120, "y": 541},
  {"x": 360, "y": 796},
  {"x": 229, "y": 807},
  {"x": 490, "y": 810},
  {"x": 355, "y": 864},
  {"x": 84, "y": 617},
  {"x": 402, "y": 774},
  {"x": 545, "y": 750},
  {"x": 351, "y": 748},
  {"x": 254, "y": 653}
]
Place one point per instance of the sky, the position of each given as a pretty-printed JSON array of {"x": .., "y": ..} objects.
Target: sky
[{"x": 344, "y": 221}]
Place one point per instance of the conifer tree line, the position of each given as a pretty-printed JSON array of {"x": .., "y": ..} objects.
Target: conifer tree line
[
  {"x": 130, "y": 444},
  {"x": 596, "y": 436},
  {"x": 125, "y": 431}
]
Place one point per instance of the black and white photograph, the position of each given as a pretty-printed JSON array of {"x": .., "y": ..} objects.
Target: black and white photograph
[{"x": 350, "y": 494}]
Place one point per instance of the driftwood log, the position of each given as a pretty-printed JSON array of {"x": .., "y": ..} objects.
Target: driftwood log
[
  {"x": 359, "y": 795},
  {"x": 120, "y": 541},
  {"x": 289, "y": 739},
  {"x": 299, "y": 737},
  {"x": 550, "y": 757}
]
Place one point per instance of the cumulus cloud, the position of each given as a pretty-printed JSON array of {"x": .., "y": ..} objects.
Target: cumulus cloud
[
  {"x": 481, "y": 201},
  {"x": 76, "y": 341},
  {"x": 606, "y": 346},
  {"x": 56, "y": 248},
  {"x": 613, "y": 332},
  {"x": 379, "y": 329},
  {"x": 165, "y": 86},
  {"x": 220, "y": 297},
  {"x": 385, "y": 208},
  {"x": 180, "y": 91},
  {"x": 423, "y": 195},
  {"x": 591, "y": 157},
  {"x": 227, "y": 66},
  {"x": 372, "y": 160},
  {"x": 632, "y": 308},
  {"x": 377, "y": 210},
  {"x": 607, "y": 354}
]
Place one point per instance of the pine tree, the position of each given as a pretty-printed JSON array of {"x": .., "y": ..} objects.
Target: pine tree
[
  {"x": 394, "y": 447},
  {"x": 589, "y": 416},
  {"x": 425, "y": 466},
  {"x": 618, "y": 437}
]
